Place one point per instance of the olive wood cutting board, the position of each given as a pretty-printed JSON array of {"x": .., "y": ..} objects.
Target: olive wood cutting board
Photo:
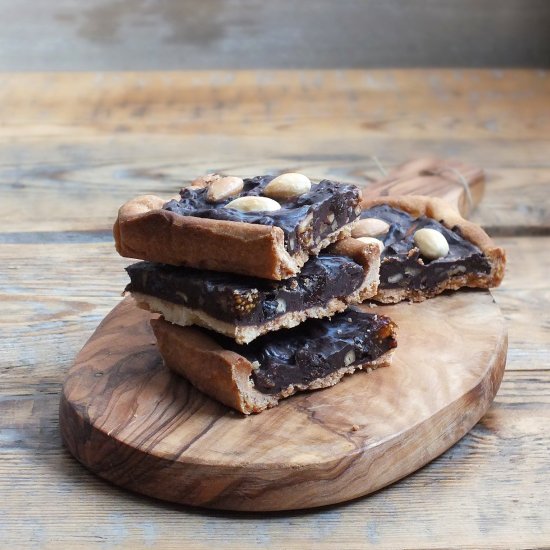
[{"x": 131, "y": 421}]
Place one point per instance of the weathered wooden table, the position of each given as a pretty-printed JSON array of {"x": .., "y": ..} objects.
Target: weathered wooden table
[{"x": 75, "y": 146}]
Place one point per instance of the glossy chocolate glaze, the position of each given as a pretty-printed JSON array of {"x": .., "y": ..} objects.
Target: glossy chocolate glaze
[
  {"x": 330, "y": 204},
  {"x": 402, "y": 266},
  {"x": 315, "y": 348},
  {"x": 242, "y": 300}
]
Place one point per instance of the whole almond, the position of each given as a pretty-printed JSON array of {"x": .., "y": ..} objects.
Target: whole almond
[
  {"x": 287, "y": 186},
  {"x": 203, "y": 181},
  {"x": 223, "y": 188},
  {"x": 140, "y": 205},
  {"x": 372, "y": 240},
  {"x": 251, "y": 203},
  {"x": 431, "y": 243},
  {"x": 370, "y": 227}
]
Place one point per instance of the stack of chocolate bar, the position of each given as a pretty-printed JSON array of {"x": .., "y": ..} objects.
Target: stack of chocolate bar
[{"x": 254, "y": 280}]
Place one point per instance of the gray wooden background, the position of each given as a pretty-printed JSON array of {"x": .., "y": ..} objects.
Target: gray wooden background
[{"x": 249, "y": 34}]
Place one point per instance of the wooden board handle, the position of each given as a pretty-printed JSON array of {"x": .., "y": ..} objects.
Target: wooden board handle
[{"x": 460, "y": 184}]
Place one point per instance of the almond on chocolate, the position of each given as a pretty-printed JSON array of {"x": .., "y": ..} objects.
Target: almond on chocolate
[{"x": 430, "y": 248}]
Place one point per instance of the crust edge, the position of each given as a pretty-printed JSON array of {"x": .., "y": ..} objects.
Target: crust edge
[{"x": 226, "y": 375}]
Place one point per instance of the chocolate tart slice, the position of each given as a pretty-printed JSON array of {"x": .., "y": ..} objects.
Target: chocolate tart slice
[
  {"x": 251, "y": 378},
  {"x": 427, "y": 248},
  {"x": 244, "y": 308},
  {"x": 263, "y": 227}
]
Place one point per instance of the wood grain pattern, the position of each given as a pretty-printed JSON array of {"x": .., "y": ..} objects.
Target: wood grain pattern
[
  {"x": 416, "y": 104},
  {"x": 68, "y": 140},
  {"x": 75, "y": 146},
  {"x": 499, "y": 470},
  {"x": 133, "y": 422}
]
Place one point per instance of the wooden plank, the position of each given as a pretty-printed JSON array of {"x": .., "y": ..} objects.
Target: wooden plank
[
  {"x": 524, "y": 298},
  {"x": 41, "y": 337},
  {"x": 526, "y": 264},
  {"x": 34, "y": 279},
  {"x": 92, "y": 268},
  {"x": 495, "y": 478},
  {"x": 516, "y": 202},
  {"x": 420, "y": 104},
  {"x": 527, "y": 314},
  {"x": 81, "y": 186},
  {"x": 73, "y": 145}
]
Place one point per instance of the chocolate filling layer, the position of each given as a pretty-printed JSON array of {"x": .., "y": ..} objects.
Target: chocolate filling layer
[
  {"x": 402, "y": 266},
  {"x": 242, "y": 300},
  {"x": 315, "y": 348},
  {"x": 305, "y": 220}
]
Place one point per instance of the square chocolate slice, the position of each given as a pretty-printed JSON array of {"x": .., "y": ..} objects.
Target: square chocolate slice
[
  {"x": 427, "y": 248},
  {"x": 251, "y": 378},
  {"x": 244, "y": 308},
  {"x": 264, "y": 226}
]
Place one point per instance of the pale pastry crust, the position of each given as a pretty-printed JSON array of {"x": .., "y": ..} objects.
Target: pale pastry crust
[
  {"x": 226, "y": 375},
  {"x": 366, "y": 255},
  {"x": 144, "y": 230},
  {"x": 439, "y": 210}
]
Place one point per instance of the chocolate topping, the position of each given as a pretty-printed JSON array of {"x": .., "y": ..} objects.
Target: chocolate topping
[
  {"x": 331, "y": 205},
  {"x": 243, "y": 300},
  {"x": 403, "y": 266},
  {"x": 315, "y": 348}
]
